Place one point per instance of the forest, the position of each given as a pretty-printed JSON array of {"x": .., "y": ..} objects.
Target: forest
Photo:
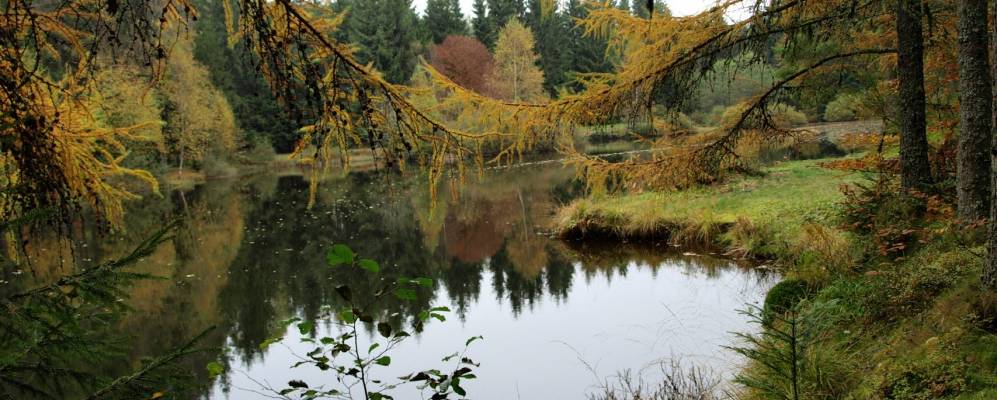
[{"x": 495, "y": 199}]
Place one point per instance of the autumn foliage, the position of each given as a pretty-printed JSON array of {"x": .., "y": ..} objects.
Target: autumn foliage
[{"x": 464, "y": 60}]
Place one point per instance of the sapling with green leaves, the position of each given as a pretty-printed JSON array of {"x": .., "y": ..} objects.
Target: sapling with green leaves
[{"x": 358, "y": 364}]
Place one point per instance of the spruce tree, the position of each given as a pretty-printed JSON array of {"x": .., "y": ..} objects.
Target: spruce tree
[
  {"x": 640, "y": 8},
  {"x": 444, "y": 18},
  {"x": 481, "y": 25},
  {"x": 624, "y": 4},
  {"x": 501, "y": 11},
  {"x": 385, "y": 31},
  {"x": 256, "y": 110},
  {"x": 588, "y": 54},
  {"x": 552, "y": 43}
]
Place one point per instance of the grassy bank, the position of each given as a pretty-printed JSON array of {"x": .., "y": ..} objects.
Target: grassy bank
[
  {"x": 767, "y": 216},
  {"x": 889, "y": 308}
]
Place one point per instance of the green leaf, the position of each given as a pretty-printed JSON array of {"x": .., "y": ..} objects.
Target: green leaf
[
  {"x": 348, "y": 316},
  {"x": 455, "y": 384},
  {"x": 339, "y": 254},
  {"x": 306, "y": 327},
  {"x": 266, "y": 343},
  {"x": 440, "y": 309},
  {"x": 424, "y": 282},
  {"x": 405, "y": 294},
  {"x": 384, "y": 361},
  {"x": 214, "y": 369},
  {"x": 472, "y": 339},
  {"x": 370, "y": 265},
  {"x": 438, "y": 316},
  {"x": 384, "y": 329}
]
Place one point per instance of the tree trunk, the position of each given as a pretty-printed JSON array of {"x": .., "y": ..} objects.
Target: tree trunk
[
  {"x": 990, "y": 268},
  {"x": 915, "y": 170},
  {"x": 974, "y": 112}
]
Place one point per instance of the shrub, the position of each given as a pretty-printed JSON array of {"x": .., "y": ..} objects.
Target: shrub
[
  {"x": 259, "y": 150},
  {"x": 937, "y": 375},
  {"x": 784, "y": 296},
  {"x": 843, "y": 108},
  {"x": 787, "y": 115},
  {"x": 215, "y": 167},
  {"x": 781, "y": 114},
  {"x": 747, "y": 239}
]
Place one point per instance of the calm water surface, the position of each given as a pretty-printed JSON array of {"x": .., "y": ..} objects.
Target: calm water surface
[{"x": 557, "y": 319}]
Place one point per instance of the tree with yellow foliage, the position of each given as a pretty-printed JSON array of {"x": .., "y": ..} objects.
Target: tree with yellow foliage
[
  {"x": 516, "y": 76},
  {"x": 198, "y": 119}
]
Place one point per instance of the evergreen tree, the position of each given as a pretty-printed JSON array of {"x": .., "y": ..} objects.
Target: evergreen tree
[
  {"x": 257, "y": 113},
  {"x": 553, "y": 43},
  {"x": 482, "y": 25},
  {"x": 640, "y": 8},
  {"x": 444, "y": 18},
  {"x": 385, "y": 32},
  {"x": 624, "y": 4},
  {"x": 500, "y": 12},
  {"x": 588, "y": 54}
]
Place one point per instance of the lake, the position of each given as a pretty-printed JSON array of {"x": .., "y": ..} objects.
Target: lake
[{"x": 558, "y": 319}]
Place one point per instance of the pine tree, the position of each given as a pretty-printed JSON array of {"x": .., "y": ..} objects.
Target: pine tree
[
  {"x": 915, "y": 169},
  {"x": 501, "y": 11},
  {"x": 482, "y": 25},
  {"x": 974, "y": 110},
  {"x": 259, "y": 116},
  {"x": 385, "y": 31},
  {"x": 444, "y": 18},
  {"x": 553, "y": 43},
  {"x": 640, "y": 10},
  {"x": 588, "y": 54},
  {"x": 624, "y": 5}
]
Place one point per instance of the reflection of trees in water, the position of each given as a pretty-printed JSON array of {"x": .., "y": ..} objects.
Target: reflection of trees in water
[{"x": 255, "y": 252}]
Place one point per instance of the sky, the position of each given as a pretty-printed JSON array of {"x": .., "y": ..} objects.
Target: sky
[{"x": 678, "y": 7}]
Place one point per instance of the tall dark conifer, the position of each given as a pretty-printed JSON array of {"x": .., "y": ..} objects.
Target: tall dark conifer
[
  {"x": 588, "y": 54},
  {"x": 552, "y": 43},
  {"x": 500, "y": 11},
  {"x": 482, "y": 25},
  {"x": 975, "y": 100},
  {"x": 444, "y": 18},
  {"x": 915, "y": 169},
  {"x": 989, "y": 275},
  {"x": 385, "y": 32}
]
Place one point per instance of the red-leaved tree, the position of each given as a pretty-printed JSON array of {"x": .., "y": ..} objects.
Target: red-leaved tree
[{"x": 464, "y": 60}]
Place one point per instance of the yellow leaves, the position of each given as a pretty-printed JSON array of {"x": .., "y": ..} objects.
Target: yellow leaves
[{"x": 516, "y": 77}]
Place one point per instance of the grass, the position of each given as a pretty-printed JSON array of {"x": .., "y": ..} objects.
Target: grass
[
  {"x": 780, "y": 204},
  {"x": 911, "y": 327}
]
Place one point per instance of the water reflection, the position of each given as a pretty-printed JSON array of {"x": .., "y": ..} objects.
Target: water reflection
[{"x": 251, "y": 254}]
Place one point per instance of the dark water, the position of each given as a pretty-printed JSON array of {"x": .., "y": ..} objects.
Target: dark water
[{"x": 556, "y": 320}]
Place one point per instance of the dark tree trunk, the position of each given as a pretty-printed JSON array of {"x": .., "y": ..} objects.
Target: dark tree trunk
[
  {"x": 974, "y": 112},
  {"x": 990, "y": 268},
  {"x": 915, "y": 170}
]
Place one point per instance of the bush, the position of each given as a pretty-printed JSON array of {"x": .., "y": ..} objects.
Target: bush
[
  {"x": 787, "y": 115},
  {"x": 785, "y": 295},
  {"x": 259, "y": 150},
  {"x": 938, "y": 375},
  {"x": 215, "y": 167},
  {"x": 781, "y": 114},
  {"x": 843, "y": 108}
]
